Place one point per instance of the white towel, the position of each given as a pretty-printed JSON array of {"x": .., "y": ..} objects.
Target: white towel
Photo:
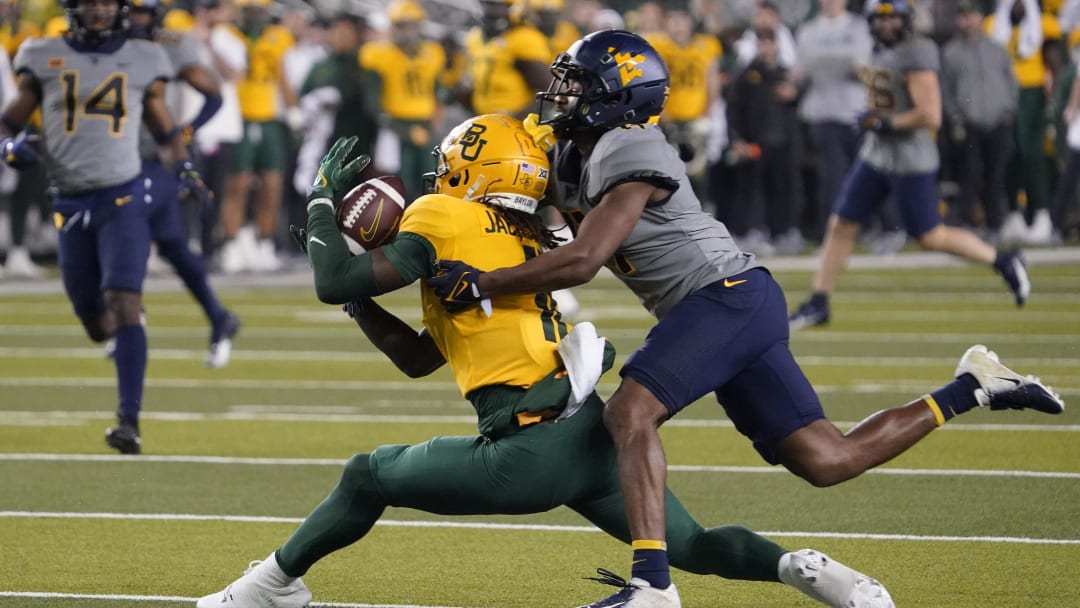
[
  {"x": 582, "y": 353},
  {"x": 1030, "y": 35}
]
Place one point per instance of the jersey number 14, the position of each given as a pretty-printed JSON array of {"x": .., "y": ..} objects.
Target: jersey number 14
[{"x": 108, "y": 102}]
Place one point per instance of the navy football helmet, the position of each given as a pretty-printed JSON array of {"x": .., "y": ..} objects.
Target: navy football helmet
[
  {"x": 95, "y": 37},
  {"x": 884, "y": 31},
  {"x": 154, "y": 8},
  {"x": 608, "y": 79}
]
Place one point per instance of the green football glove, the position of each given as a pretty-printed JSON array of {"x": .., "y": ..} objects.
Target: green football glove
[{"x": 335, "y": 174}]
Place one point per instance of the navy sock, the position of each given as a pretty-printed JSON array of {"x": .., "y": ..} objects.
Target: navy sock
[
  {"x": 651, "y": 564},
  {"x": 954, "y": 398},
  {"x": 130, "y": 359},
  {"x": 192, "y": 271}
]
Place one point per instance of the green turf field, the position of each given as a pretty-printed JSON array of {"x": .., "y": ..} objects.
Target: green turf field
[{"x": 983, "y": 513}]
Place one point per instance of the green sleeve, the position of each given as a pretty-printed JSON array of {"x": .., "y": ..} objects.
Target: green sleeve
[{"x": 342, "y": 277}]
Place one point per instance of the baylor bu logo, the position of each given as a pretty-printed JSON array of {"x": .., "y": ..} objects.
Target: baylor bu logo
[
  {"x": 470, "y": 141},
  {"x": 628, "y": 63}
]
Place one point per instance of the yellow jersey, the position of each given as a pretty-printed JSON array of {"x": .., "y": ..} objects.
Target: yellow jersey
[
  {"x": 689, "y": 67},
  {"x": 13, "y": 34},
  {"x": 565, "y": 35},
  {"x": 1030, "y": 72},
  {"x": 498, "y": 87},
  {"x": 259, "y": 91},
  {"x": 55, "y": 26},
  {"x": 408, "y": 82},
  {"x": 475, "y": 345}
]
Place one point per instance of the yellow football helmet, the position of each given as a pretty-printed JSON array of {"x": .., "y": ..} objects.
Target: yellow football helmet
[
  {"x": 492, "y": 158},
  {"x": 405, "y": 10}
]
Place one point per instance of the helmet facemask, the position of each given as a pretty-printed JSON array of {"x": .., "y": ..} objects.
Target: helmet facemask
[
  {"x": 608, "y": 79},
  {"x": 73, "y": 10}
]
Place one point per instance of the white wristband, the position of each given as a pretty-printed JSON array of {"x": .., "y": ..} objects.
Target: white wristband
[{"x": 320, "y": 201}]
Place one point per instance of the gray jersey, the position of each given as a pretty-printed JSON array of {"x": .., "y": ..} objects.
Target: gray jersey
[
  {"x": 92, "y": 107},
  {"x": 182, "y": 50},
  {"x": 901, "y": 152},
  {"x": 675, "y": 248}
]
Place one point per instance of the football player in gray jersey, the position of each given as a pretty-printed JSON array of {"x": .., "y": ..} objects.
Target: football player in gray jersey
[
  {"x": 722, "y": 319},
  {"x": 166, "y": 217},
  {"x": 900, "y": 157},
  {"x": 94, "y": 87}
]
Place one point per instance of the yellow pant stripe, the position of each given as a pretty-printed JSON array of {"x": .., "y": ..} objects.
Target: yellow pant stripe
[
  {"x": 938, "y": 416},
  {"x": 649, "y": 544}
]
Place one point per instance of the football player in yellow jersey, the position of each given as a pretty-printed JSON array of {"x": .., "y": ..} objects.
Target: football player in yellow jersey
[
  {"x": 403, "y": 75},
  {"x": 528, "y": 457},
  {"x": 693, "y": 62},
  {"x": 13, "y": 28},
  {"x": 508, "y": 63},
  {"x": 264, "y": 146},
  {"x": 549, "y": 17}
]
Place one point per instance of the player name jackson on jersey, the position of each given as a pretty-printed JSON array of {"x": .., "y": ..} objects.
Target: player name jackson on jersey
[{"x": 92, "y": 107}]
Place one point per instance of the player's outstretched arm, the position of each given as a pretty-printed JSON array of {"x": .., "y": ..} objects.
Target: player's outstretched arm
[
  {"x": 577, "y": 262},
  {"x": 340, "y": 276},
  {"x": 414, "y": 353}
]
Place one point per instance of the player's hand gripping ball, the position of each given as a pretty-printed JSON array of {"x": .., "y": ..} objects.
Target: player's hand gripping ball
[{"x": 370, "y": 214}]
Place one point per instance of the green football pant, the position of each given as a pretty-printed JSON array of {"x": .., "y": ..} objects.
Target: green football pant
[{"x": 569, "y": 462}]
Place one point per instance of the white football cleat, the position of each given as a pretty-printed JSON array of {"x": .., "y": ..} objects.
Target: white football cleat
[
  {"x": 637, "y": 593},
  {"x": 221, "y": 341},
  {"x": 262, "y": 586},
  {"x": 830, "y": 582},
  {"x": 1002, "y": 389},
  {"x": 20, "y": 265}
]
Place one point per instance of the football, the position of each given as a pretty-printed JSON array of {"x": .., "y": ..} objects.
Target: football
[{"x": 370, "y": 214}]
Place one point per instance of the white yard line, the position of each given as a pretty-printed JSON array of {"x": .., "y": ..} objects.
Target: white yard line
[
  {"x": 344, "y": 413},
  {"x": 334, "y": 462},
  {"x": 177, "y": 599},
  {"x": 331, "y": 356},
  {"x": 515, "y": 527}
]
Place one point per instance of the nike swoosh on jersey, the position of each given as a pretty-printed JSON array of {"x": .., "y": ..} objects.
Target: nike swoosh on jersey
[
  {"x": 1013, "y": 380},
  {"x": 123, "y": 200},
  {"x": 730, "y": 283}
]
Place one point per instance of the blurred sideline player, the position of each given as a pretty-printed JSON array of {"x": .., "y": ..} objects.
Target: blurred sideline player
[
  {"x": 720, "y": 315},
  {"x": 263, "y": 148},
  {"x": 25, "y": 191},
  {"x": 93, "y": 86},
  {"x": 508, "y": 63},
  {"x": 505, "y": 365},
  {"x": 166, "y": 218},
  {"x": 402, "y": 75},
  {"x": 693, "y": 61},
  {"x": 333, "y": 100},
  {"x": 899, "y": 157},
  {"x": 548, "y": 16}
]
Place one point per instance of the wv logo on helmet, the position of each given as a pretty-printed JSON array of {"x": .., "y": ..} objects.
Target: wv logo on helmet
[{"x": 628, "y": 66}]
